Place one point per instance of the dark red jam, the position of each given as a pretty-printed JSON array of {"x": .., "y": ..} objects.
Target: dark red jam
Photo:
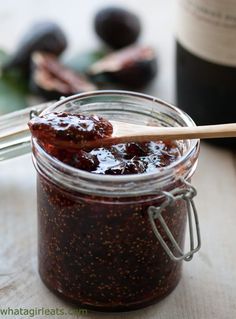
[
  {"x": 69, "y": 127},
  {"x": 100, "y": 251},
  {"x": 121, "y": 159}
]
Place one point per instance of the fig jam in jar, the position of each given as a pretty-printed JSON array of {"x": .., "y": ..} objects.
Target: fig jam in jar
[{"x": 115, "y": 242}]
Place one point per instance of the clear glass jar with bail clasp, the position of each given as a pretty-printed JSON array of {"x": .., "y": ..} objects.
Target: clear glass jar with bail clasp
[{"x": 116, "y": 243}]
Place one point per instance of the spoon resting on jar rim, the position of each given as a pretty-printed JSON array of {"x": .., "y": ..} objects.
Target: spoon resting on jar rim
[{"x": 77, "y": 131}]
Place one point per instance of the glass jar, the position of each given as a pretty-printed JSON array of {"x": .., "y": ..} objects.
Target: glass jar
[{"x": 114, "y": 243}]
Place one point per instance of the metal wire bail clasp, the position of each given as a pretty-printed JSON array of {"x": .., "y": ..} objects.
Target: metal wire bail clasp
[{"x": 187, "y": 193}]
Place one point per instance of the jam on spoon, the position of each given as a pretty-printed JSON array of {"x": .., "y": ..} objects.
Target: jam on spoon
[{"x": 53, "y": 127}]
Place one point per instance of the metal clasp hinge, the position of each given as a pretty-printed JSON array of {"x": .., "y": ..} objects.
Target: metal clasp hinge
[{"x": 155, "y": 213}]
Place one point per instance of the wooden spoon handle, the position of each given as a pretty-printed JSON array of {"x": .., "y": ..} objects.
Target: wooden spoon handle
[
  {"x": 207, "y": 131},
  {"x": 148, "y": 133}
]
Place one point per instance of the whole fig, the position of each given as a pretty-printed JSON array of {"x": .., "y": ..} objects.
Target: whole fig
[
  {"x": 117, "y": 27},
  {"x": 44, "y": 36}
]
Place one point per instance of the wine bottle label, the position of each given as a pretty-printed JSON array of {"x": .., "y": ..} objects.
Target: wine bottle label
[{"x": 207, "y": 28}]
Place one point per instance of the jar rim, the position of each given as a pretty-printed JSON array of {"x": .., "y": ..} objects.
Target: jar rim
[{"x": 161, "y": 174}]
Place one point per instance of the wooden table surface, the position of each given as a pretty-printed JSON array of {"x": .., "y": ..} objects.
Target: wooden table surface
[{"x": 208, "y": 287}]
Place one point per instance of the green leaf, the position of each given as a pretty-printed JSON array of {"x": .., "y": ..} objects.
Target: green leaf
[
  {"x": 13, "y": 88},
  {"x": 81, "y": 62},
  {"x": 11, "y": 99},
  {"x": 3, "y": 56}
]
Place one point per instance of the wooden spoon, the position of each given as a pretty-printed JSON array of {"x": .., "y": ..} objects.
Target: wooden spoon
[{"x": 126, "y": 132}]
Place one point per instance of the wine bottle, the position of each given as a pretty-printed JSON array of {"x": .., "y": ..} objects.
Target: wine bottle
[{"x": 206, "y": 61}]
